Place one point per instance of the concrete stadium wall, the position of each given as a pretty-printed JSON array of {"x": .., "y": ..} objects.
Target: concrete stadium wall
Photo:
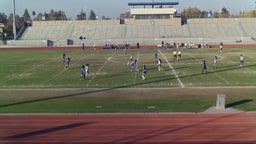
[
  {"x": 101, "y": 32},
  {"x": 173, "y": 21},
  {"x": 87, "y": 22},
  {"x": 220, "y": 20}
]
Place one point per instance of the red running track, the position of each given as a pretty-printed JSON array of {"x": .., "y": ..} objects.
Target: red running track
[{"x": 238, "y": 128}]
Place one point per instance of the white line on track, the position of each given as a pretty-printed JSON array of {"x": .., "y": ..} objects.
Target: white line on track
[{"x": 174, "y": 72}]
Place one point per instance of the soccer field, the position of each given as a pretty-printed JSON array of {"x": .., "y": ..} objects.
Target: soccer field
[
  {"x": 31, "y": 77},
  {"x": 109, "y": 69}
]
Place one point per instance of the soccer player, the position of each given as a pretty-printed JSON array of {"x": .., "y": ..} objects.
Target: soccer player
[
  {"x": 144, "y": 72},
  {"x": 87, "y": 70},
  {"x": 63, "y": 57},
  {"x": 179, "y": 55},
  {"x": 215, "y": 61},
  {"x": 174, "y": 54},
  {"x": 156, "y": 55},
  {"x": 130, "y": 60},
  {"x": 133, "y": 65},
  {"x": 83, "y": 46},
  {"x": 159, "y": 63},
  {"x": 221, "y": 46},
  {"x": 94, "y": 47},
  {"x": 82, "y": 73},
  {"x": 67, "y": 63},
  {"x": 204, "y": 69},
  {"x": 241, "y": 60}
]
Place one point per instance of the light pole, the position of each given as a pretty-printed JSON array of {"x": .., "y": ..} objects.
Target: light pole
[{"x": 14, "y": 20}]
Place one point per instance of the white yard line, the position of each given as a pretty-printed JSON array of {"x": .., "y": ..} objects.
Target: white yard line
[
  {"x": 104, "y": 64},
  {"x": 214, "y": 72},
  {"x": 52, "y": 78},
  {"x": 174, "y": 72},
  {"x": 221, "y": 78},
  {"x": 11, "y": 78}
]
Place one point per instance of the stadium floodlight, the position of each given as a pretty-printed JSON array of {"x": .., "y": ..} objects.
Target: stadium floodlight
[{"x": 14, "y": 20}]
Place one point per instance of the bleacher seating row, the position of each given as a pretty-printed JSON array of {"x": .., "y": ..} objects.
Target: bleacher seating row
[{"x": 102, "y": 32}]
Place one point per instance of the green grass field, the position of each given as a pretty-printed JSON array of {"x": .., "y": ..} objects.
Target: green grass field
[{"x": 36, "y": 81}]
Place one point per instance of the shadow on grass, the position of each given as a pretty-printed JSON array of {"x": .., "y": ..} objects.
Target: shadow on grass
[
  {"x": 147, "y": 81},
  {"x": 238, "y": 103}
]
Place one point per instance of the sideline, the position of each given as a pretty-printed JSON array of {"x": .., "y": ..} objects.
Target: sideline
[{"x": 128, "y": 88}]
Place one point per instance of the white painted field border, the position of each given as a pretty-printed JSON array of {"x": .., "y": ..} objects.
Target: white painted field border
[
  {"x": 104, "y": 64},
  {"x": 125, "y": 89},
  {"x": 214, "y": 73},
  {"x": 174, "y": 72}
]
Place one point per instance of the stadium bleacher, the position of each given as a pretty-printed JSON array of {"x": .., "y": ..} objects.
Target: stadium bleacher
[{"x": 100, "y": 32}]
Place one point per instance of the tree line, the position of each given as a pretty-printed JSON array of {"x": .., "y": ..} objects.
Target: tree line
[{"x": 26, "y": 18}]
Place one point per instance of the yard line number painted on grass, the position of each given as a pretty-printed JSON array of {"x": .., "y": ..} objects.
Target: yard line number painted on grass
[{"x": 174, "y": 72}]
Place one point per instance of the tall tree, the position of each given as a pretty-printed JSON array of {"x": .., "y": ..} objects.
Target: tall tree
[
  {"x": 26, "y": 15},
  {"x": 33, "y": 14},
  {"x": 53, "y": 15},
  {"x": 3, "y": 18},
  {"x": 81, "y": 16},
  {"x": 216, "y": 15},
  {"x": 249, "y": 14},
  {"x": 191, "y": 13},
  {"x": 38, "y": 17},
  {"x": 92, "y": 15},
  {"x": 204, "y": 14},
  {"x": 9, "y": 26},
  {"x": 224, "y": 13}
]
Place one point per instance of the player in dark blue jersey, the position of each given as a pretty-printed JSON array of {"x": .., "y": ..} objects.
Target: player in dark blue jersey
[
  {"x": 67, "y": 63},
  {"x": 63, "y": 57},
  {"x": 204, "y": 69},
  {"x": 82, "y": 73},
  {"x": 144, "y": 72}
]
